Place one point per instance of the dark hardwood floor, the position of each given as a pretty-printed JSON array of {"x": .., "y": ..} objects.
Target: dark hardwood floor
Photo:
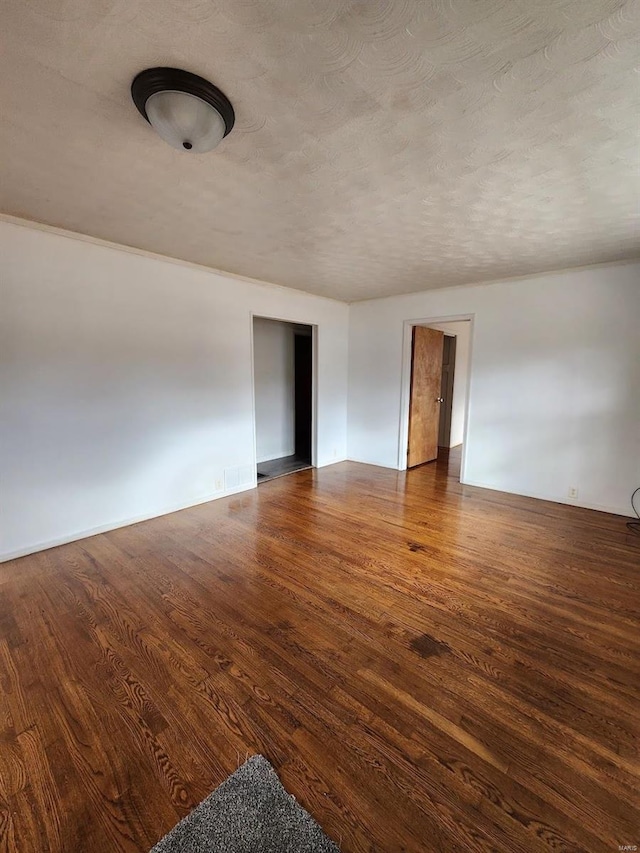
[{"x": 429, "y": 667}]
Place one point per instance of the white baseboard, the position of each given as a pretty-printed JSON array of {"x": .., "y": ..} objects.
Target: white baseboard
[
  {"x": 374, "y": 463},
  {"x": 330, "y": 462},
  {"x": 105, "y": 528},
  {"x": 614, "y": 510}
]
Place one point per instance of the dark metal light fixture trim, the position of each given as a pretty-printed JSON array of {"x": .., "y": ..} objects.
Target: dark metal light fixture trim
[{"x": 155, "y": 80}]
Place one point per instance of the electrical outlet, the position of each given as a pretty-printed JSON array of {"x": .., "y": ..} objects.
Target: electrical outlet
[
  {"x": 573, "y": 492},
  {"x": 218, "y": 485}
]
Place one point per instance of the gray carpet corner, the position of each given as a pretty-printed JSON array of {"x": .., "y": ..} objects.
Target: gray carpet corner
[{"x": 249, "y": 813}]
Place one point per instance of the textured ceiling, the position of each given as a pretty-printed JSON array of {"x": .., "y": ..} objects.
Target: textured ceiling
[{"x": 380, "y": 147}]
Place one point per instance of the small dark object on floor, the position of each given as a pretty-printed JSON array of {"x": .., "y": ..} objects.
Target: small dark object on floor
[
  {"x": 249, "y": 813},
  {"x": 427, "y": 646}
]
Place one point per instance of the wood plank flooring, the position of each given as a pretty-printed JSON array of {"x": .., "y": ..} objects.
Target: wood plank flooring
[{"x": 429, "y": 667}]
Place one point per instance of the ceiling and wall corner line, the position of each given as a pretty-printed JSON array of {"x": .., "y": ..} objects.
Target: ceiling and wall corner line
[
  {"x": 134, "y": 250},
  {"x": 145, "y": 253}
]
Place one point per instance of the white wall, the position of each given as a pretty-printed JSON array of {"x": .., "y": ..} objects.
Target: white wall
[
  {"x": 555, "y": 382},
  {"x": 273, "y": 348},
  {"x": 462, "y": 332},
  {"x": 125, "y": 384}
]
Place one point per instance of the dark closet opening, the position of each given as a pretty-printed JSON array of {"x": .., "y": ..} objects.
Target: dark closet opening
[
  {"x": 300, "y": 373},
  {"x": 446, "y": 391},
  {"x": 303, "y": 382}
]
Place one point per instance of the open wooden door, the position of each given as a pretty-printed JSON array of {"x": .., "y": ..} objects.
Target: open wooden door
[{"x": 424, "y": 405}]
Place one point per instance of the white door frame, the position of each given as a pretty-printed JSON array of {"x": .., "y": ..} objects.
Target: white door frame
[
  {"x": 405, "y": 386},
  {"x": 314, "y": 384}
]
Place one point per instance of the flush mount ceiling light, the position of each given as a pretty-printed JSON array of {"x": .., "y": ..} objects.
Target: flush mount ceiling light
[{"x": 187, "y": 111}]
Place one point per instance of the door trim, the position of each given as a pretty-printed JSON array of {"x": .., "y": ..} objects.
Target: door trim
[
  {"x": 314, "y": 383},
  {"x": 405, "y": 385}
]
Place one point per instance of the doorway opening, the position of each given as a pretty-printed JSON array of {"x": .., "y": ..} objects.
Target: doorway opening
[
  {"x": 283, "y": 369},
  {"x": 435, "y": 394}
]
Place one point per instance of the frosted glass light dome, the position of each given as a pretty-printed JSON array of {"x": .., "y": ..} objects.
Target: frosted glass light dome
[{"x": 185, "y": 121}]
